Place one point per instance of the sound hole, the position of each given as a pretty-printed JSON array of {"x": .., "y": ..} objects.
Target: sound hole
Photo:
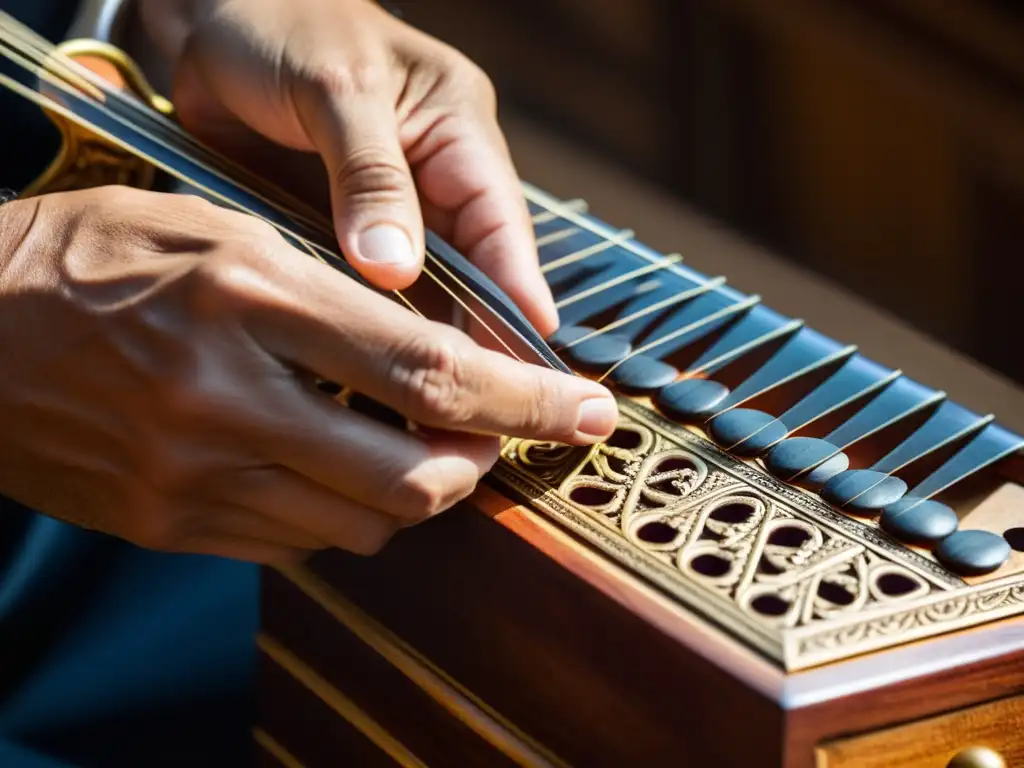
[
  {"x": 834, "y": 593},
  {"x": 896, "y": 585},
  {"x": 657, "y": 533},
  {"x": 1015, "y": 538},
  {"x": 710, "y": 565},
  {"x": 666, "y": 486},
  {"x": 624, "y": 438},
  {"x": 592, "y": 497},
  {"x": 770, "y": 605},
  {"x": 616, "y": 464},
  {"x": 789, "y": 536},
  {"x": 675, "y": 464},
  {"x": 733, "y": 513}
]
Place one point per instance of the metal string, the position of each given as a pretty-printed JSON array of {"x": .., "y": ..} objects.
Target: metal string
[{"x": 53, "y": 57}]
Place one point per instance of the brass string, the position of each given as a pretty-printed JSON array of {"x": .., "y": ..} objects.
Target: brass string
[
  {"x": 556, "y": 237},
  {"x": 13, "y": 35},
  {"x": 678, "y": 298},
  {"x": 49, "y": 56},
  {"x": 576, "y": 206},
  {"x": 724, "y": 312},
  {"x": 614, "y": 281},
  {"x": 83, "y": 77},
  {"x": 585, "y": 253}
]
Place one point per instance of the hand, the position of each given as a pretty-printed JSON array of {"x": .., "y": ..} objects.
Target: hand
[
  {"x": 156, "y": 354},
  {"x": 405, "y": 126}
]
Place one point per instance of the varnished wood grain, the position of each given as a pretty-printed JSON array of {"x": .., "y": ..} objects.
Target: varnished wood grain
[
  {"x": 433, "y": 730},
  {"x": 558, "y": 658},
  {"x": 307, "y": 729},
  {"x": 932, "y": 743}
]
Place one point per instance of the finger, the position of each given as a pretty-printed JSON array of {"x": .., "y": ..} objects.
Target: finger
[
  {"x": 429, "y": 372},
  {"x": 335, "y": 456},
  {"x": 377, "y": 215},
  {"x": 326, "y": 515},
  {"x": 258, "y": 523},
  {"x": 247, "y": 550},
  {"x": 471, "y": 190}
]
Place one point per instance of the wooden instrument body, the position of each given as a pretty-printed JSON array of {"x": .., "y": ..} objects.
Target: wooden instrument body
[
  {"x": 498, "y": 635},
  {"x": 529, "y": 628},
  {"x": 579, "y": 662}
]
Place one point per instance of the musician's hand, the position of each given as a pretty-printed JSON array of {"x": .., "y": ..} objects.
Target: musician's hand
[
  {"x": 405, "y": 125},
  {"x": 155, "y": 362}
]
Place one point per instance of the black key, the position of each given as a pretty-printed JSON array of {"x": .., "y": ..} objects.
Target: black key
[
  {"x": 641, "y": 375},
  {"x": 863, "y": 491},
  {"x": 691, "y": 401},
  {"x": 806, "y": 461},
  {"x": 973, "y": 553},
  {"x": 919, "y": 521},
  {"x": 598, "y": 353},
  {"x": 567, "y": 334},
  {"x": 746, "y": 432}
]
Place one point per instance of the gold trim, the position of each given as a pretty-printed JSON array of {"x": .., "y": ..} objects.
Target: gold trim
[
  {"x": 65, "y": 170},
  {"x": 475, "y": 714},
  {"x": 275, "y": 749},
  {"x": 337, "y": 701},
  {"x": 826, "y": 594},
  {"x": 132, "y": 73}
]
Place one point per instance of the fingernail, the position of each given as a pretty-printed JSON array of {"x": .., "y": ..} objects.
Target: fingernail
[
  {"x": 386, "y": 244},
  {"x": 597, "y": 418}
]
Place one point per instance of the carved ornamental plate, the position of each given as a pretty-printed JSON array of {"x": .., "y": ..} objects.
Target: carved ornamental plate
[{"x": 773, "y": 565}]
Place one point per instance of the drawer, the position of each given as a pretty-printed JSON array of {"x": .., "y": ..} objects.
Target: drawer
[{"x": 986, "y": 736}]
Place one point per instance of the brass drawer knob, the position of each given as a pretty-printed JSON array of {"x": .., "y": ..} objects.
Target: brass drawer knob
[{"x": 977, "y": 757}]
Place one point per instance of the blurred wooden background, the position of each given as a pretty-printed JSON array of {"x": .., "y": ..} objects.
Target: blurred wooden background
[{"x": 877, "y": 142}]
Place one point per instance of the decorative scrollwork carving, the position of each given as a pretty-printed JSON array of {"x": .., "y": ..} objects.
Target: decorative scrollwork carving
[{"x": 767, "y": 561}]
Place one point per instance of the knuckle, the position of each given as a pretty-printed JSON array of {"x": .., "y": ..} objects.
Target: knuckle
[
  {"x": 430, "y": 373},
  {"x": 372, "y": 539},
  {"x": 227, "y": 279},
  {"x": 373, "y": 172},
  {"x": 421, "y": 498},
  {"x": 152, "y": 524},
  {"x": 361, "y": 75},
  {"x": 287, "y": 558},
  {"x": 432, "y": 488},
  {"x": 197, "y": 205},
  {"x": 541, "y": 404},
  {"x": 471, "y": 83}
]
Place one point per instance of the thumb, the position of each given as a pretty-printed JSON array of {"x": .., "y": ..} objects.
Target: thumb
[{"x": 376, "y": 209}]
